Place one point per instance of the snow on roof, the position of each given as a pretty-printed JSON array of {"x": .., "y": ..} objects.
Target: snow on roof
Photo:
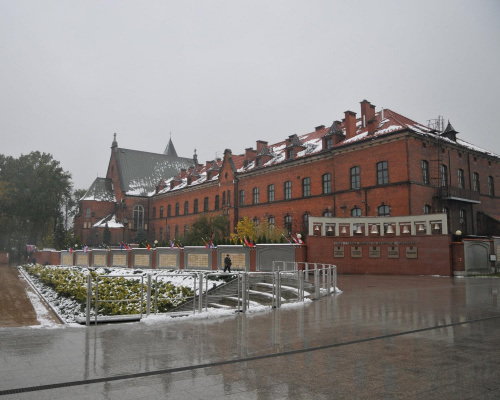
[
  {"x": 388, "y": 122},
  {"x": 110, "y": 220}
]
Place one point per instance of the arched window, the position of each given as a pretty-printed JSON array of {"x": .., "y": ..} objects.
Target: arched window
[
  {"x": 356, "y": 212},
  {"x": 205, "y": 204},
  {"x": 138, "y": 217},
  {"x": 195, "y": 206},
  {"x": 177, "y": 209},
  {"x": 161, "y": 212},
  {"x": 186, "y": 207},
  {"x": 384, "y": 211},
  {"x": 223, "y": 198},
  {"x": 169, "y": 210}
]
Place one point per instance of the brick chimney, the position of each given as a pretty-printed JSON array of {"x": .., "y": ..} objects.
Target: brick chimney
[
  {"x": 183, "y": 173},
  {"x": 260, "y": 145},
  {"x": 350, "y": 124},
  {"x": 367, "y": 112},
  {"x": 250, "y": 153},
  {"x": 372, "y": 126}
]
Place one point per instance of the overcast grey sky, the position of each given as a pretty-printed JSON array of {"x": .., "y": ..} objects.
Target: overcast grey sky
[{"x": 223, "y": 74}]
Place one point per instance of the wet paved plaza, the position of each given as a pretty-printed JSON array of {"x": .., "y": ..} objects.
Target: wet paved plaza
[{"x": 384, "y": 337}]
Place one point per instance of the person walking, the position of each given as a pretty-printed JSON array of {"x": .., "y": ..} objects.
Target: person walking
[{"x": 227, "y": 264}]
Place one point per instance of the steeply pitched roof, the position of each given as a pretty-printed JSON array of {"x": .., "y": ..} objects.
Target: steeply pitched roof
[
  {"x": 140, "y": 171},
  {"x": 170, "y": 149},
  {"x": 100, "y": 190}
]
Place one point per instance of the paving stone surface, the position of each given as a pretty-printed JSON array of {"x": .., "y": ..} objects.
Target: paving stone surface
[{"x": 384, "y": 337}]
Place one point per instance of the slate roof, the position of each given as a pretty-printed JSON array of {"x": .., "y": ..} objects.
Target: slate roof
[
  {"x": 100, "y": 190},
  {"x": 140, "y": 171}
]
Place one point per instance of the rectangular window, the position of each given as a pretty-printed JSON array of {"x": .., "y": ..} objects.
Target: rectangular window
[
  {"x": 306, "y": 187},
  {"x": 177, "y": 209},
  {"x": 425, "y": 172},
  {"x": 327, "y": 183},
  {"x": 242, "y": 198},
  {"x": 382, "y": 173},
  {"x": 270, "y": 193},
  {"x": 288, "y": 224},
  {"x": 217, "y": 202},
  {"x": 270, "y": 220},
  {"x": 356, "y": 178},
  {"x": 443, "y": 175},
  {"x": 161, "y": 212},
  {"x": 169, "y": 210},
  {"x": 195, "y": 206},
  {"x": 288, "y": 190},
  {"x": 491, "y": 186},
  {"x": 154, "y": 212},
  {"x": 475, "y": 181},
  {"x": 329, "y": 143},
  {"x": 461, "y": 179},
  {"x": 205, "y": 204},
  {"x": 255, "y": 199},
  {"x": 463, "y": 221},
  {"x": 290, "y": 154}
]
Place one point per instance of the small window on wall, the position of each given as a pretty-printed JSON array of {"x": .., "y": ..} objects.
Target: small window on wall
[
  {"x": 382, "y": 173},
  {"x": 161, "y": 211},
  {"x": 270, "y": 193},
  {"x": 223, "y": 198},
  {"x": 186, "y": 207},
  {"x": 256, "y": 221},
  {"x": 306, "y": 187},
  {"x": 461, "y": 179},
  {"x": 427, "y": 209},
  {"x": 161, "y": 234},
  {"x": 270, "y": 220},
  {"x": 491, "y": 186},
  {"x": 355, "y": 178},
  {"x": 443, "y": 175},
  {"x": 195, "y": 206},
  {"x": 356, "y": 212},
  {"x": 177, "y": 209},
  {"x": 327, "y": 183},
  {"x": 305, "y": 220},
  {"x": 384, "y": 211},
  {"x": 154, "y": 212},
  {"x": 463, "y": 220},
  {"x": 288, "y": 190},
  {"x": 169, "y": 210},
  {"x": 475, "y": 181},
  {"x": 205, "y": 204},
  {"x": 242, "y": 198},
  {"x": 255, "y": 192},
  {"x": 425, "y": 172},
  {"x": 87, "y": 213},
  {"x": 217, "y": 202},
  {"x": 288, "y": 224}
]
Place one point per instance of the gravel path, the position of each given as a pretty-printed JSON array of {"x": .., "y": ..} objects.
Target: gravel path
[{"x": 15, "y": 306}]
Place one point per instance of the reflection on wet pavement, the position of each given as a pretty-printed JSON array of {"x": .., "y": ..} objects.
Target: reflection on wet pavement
[{"x": 383, "y": 337}]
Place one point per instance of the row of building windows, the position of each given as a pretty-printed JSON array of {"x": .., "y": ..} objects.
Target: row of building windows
[
  {"x": 287, "y": 190},
  {"x": 443, "y": 178}
]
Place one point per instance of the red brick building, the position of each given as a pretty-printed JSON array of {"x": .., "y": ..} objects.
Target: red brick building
[{"x": 380, "y": 164}]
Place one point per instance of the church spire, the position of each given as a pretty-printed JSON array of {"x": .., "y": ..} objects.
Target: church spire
[
  {"x": 114, "y": 145},
  {"x": 170, "y": 149}
]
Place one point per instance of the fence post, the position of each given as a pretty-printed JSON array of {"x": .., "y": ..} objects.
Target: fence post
[
  {"x": 278, "y": 290},
  {"x": 329, "y": 279},
  {"x": 244, "y": 297},
  {"x": 96, "y": 297},
  {"x": 148, "y": 297},
  {"x": 316, "y": 282},
  {"x": 194, "y": 295},
  {"x": 200, "y": 294},
  {"x": 89, "y": 297}
]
